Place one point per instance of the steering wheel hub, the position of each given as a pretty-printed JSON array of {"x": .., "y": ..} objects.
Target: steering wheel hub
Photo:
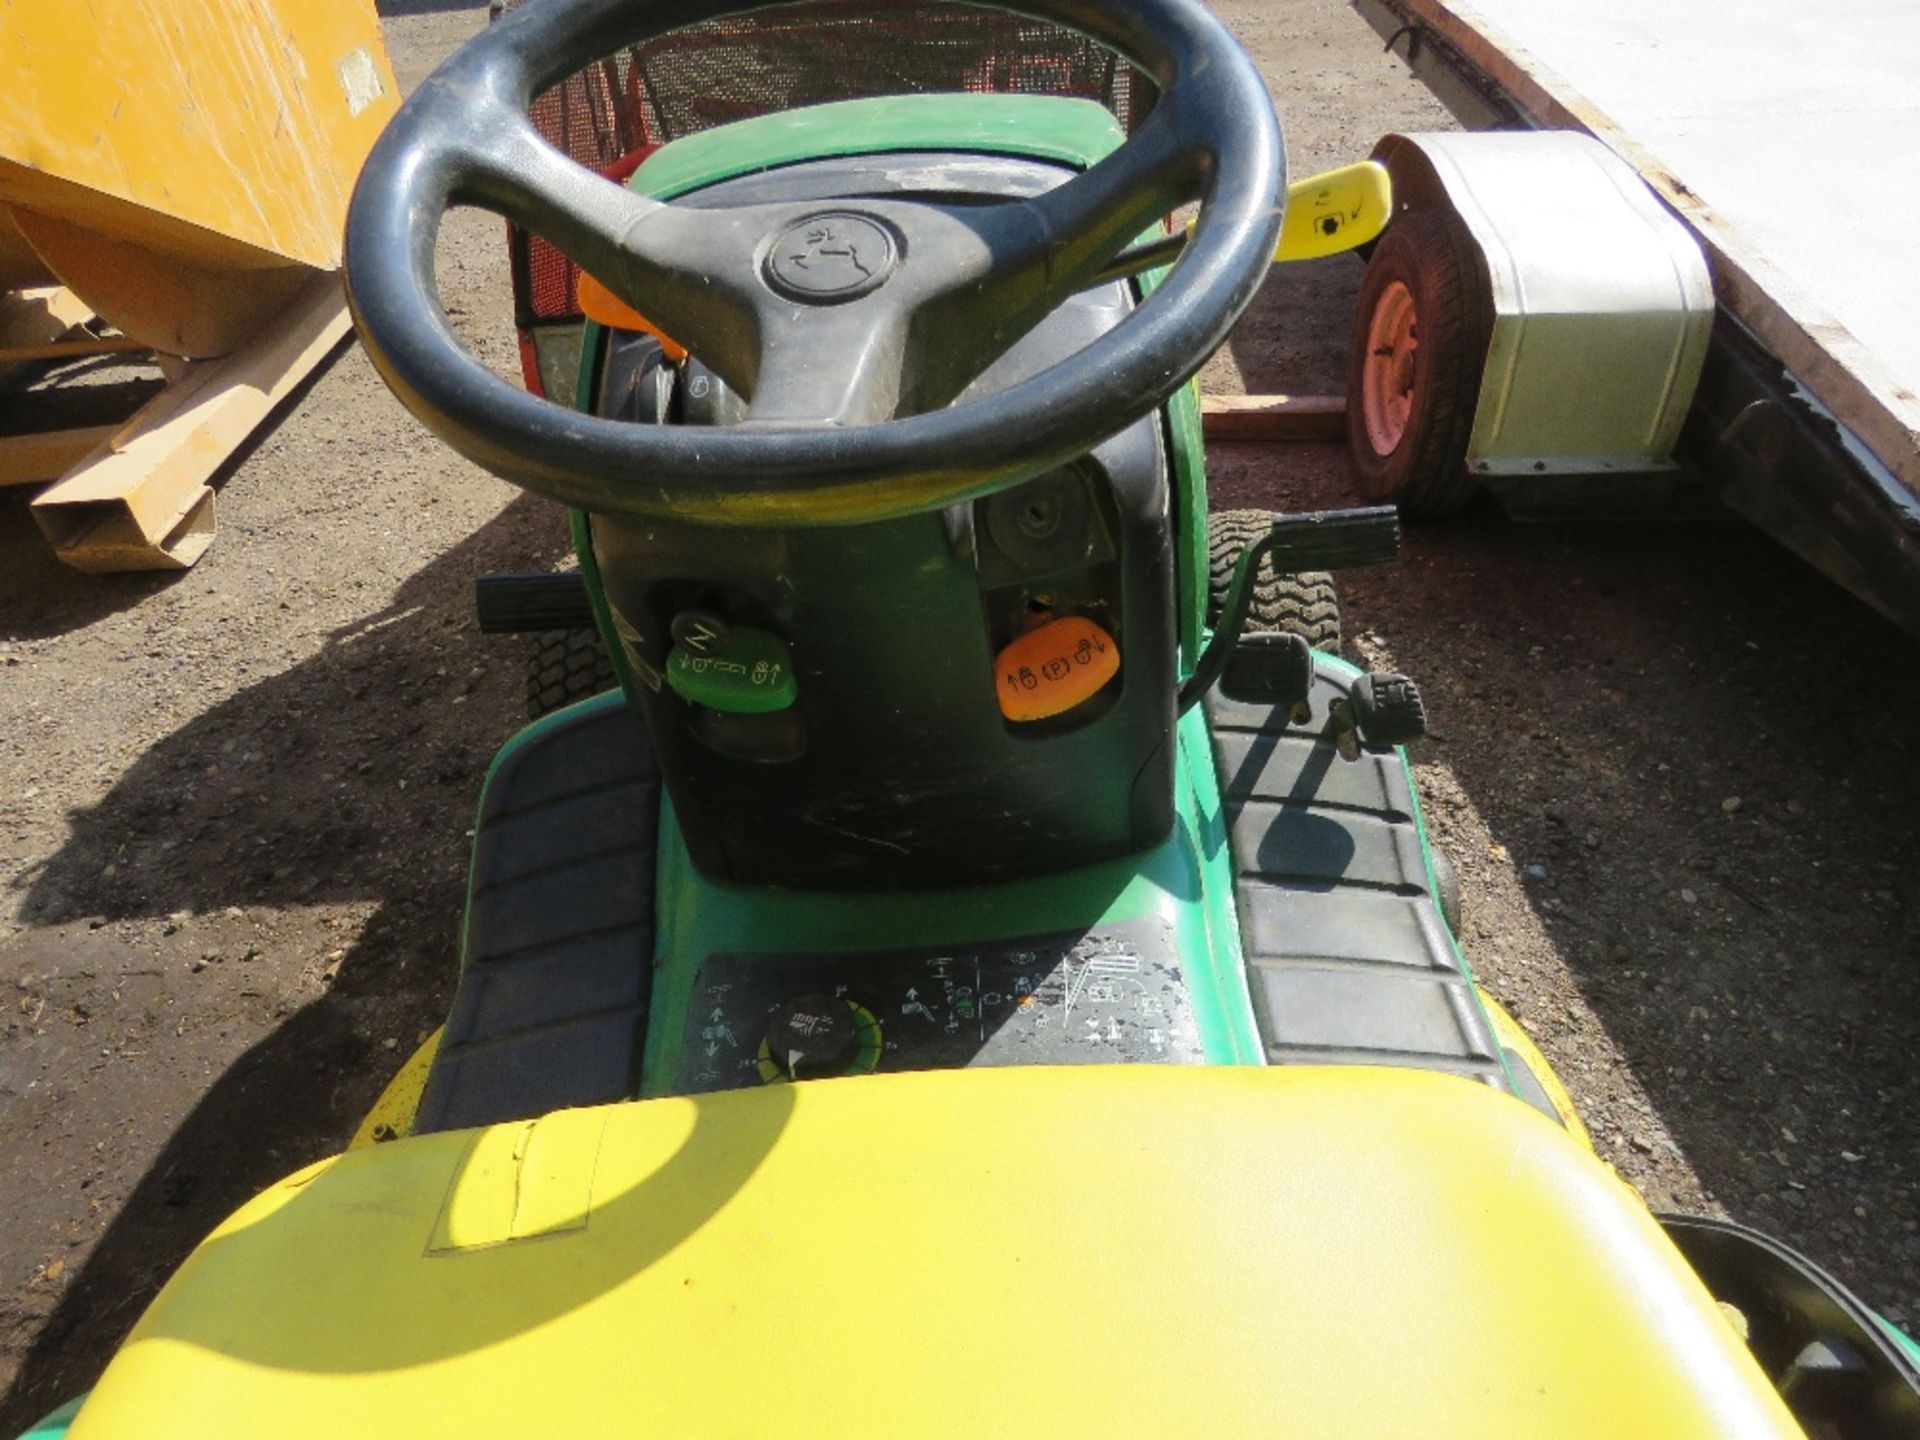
[{"x": 833, "y": 256}]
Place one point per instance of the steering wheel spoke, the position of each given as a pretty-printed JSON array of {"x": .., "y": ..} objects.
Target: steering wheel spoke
[
  {"x": 1036, "y": 252},
  {"x": 690, "y": 272},
  {"x": 1095, "y": 215},
  {"x": 503, "y": 165},
  {"x": 834, "y": 367}
]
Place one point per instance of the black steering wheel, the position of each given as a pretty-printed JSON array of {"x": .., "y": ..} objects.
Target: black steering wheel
[{"x": 850, "y": 326}]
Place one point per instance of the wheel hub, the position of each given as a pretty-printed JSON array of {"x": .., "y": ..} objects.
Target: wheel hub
[{"x": 1387, "y": 376}]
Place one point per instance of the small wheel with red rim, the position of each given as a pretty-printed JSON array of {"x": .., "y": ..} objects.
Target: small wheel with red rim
[{"x": 1420, "y": 338}]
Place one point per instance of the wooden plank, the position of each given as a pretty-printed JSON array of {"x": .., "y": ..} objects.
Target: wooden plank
[
  {"x": 142, "y": 501},
  {"x": 40, "y": 315},
  {"x": 1273, "y": 417},
  {"x": 1848, "y": 377},
  {"x": 81, "y": 349},
  {"x": 20, "y": 267},
  {"x": 28, "y": 459}
]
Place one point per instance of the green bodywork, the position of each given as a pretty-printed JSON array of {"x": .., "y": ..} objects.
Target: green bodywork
[
  {"x": 1073, "y": 132},
  {"x": 1187, "y": 879},
  {"x": 57, "y": 1424}
]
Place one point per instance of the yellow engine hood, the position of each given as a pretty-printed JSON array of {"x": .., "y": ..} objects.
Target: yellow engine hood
[{"x": 1110, "y": 1251}]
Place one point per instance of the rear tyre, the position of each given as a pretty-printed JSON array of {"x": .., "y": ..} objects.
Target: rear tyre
[
  {"x": 566, "y": 666},
  {"x": 1305, "y": 605},
  {"x": 1420, "y": 335}
]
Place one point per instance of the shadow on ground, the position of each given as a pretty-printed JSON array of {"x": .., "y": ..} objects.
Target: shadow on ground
[
  {"x": 350, "y": 777},
  {"x": 47, "y": 598},
  {"x": 1710, "y": 753}
]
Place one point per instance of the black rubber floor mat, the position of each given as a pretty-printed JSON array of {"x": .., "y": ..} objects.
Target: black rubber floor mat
[
  {"x": 1348, "y": 960},
  {"x": 551, "y": 1009}
]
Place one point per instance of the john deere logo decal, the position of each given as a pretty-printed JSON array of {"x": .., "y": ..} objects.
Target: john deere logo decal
[{"x": 834, "y": 256}]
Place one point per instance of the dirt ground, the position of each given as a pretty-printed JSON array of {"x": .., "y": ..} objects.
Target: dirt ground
[{"x": 1676, "y": 770}]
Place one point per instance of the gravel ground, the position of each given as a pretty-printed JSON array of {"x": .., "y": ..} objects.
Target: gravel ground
[{"x": 1675, "y": 770}]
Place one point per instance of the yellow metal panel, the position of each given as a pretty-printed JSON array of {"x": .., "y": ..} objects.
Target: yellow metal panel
[
  {"x": 479, "y": 1205},
  {"x": 203, "y": 128},
  {"x": 393, "y": 1113},
  {"x": 1099, "y": 1250},
  {"x": 519, "y": 1182},
  {"x": 1507, "y": 1030},
  {"x": 19, "y": 265},
  {"x": 1335, "y": 211}
]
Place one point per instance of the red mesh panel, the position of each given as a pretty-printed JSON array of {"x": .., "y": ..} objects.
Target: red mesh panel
[{"x": 746, "y": 65}]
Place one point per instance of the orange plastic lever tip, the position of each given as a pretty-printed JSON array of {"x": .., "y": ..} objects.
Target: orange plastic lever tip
[
  {"x": 599, "y": 303},
  {"x": 1054, "y": 667}
]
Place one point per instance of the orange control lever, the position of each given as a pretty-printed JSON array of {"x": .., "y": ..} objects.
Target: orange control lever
[
  {"x": 597, "y": 302},
  {"x": 1054, "y": 667}
]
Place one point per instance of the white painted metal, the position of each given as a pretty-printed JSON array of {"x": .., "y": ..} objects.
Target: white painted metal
[
  {"x": 1786, "y": 134},
  {"x": 1602, "y": 302}
]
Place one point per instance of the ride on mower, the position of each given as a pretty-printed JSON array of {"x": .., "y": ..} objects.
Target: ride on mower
[{"x": 982, "y": 973}]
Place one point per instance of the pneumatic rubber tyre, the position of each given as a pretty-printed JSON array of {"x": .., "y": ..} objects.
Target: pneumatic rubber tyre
[
  {"x": 1305, "y": 604},
  {"x": 1420, "y": 335},
  {"x": 565, "y": 666}
]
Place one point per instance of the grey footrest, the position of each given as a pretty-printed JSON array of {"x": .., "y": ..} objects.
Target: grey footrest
[
  {"x": 1348, "y": 960},
  {"x": 551, "y": 1007}
]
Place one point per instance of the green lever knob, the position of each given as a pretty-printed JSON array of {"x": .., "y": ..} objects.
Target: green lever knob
[{"x": 753, "y": 675}]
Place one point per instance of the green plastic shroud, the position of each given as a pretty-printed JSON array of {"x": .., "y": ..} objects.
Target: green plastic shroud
[{"x": 1187, "y": 878}]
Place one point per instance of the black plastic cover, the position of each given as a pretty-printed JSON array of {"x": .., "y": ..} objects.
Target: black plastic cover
[
  {"x": 1838, "y": 1370},
  {"x": 895, "y": 767}
]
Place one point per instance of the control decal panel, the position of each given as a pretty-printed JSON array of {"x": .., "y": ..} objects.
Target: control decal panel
[{"x": 1114, "y": 995}]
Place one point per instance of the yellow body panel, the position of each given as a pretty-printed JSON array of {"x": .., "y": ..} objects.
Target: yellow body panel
[
  {"x": 205, "y": 128},
  {"x": 392, "y": 1114},
  {"x": 1097, "y": 1250},
  {"x": 1335, "y": 211},
  {"x": 1507, "y": 1031},
  {"x": 522, "y": 1180}
]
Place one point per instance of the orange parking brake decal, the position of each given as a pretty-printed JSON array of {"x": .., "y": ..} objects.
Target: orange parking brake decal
[{"x": 1054, "y": 667}]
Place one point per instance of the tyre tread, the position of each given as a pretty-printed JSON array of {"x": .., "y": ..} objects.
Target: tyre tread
[
  {"x": 566, "y": 666},
  {"x": 1306, "y": 604},
  {"x": 1432, "y": 253}
]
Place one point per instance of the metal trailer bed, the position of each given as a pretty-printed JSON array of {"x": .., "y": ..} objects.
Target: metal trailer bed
[{"x": 1787, "y": 139}]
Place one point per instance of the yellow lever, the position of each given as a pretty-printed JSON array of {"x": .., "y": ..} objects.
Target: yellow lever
[{"x": 1334, "y": 211}]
